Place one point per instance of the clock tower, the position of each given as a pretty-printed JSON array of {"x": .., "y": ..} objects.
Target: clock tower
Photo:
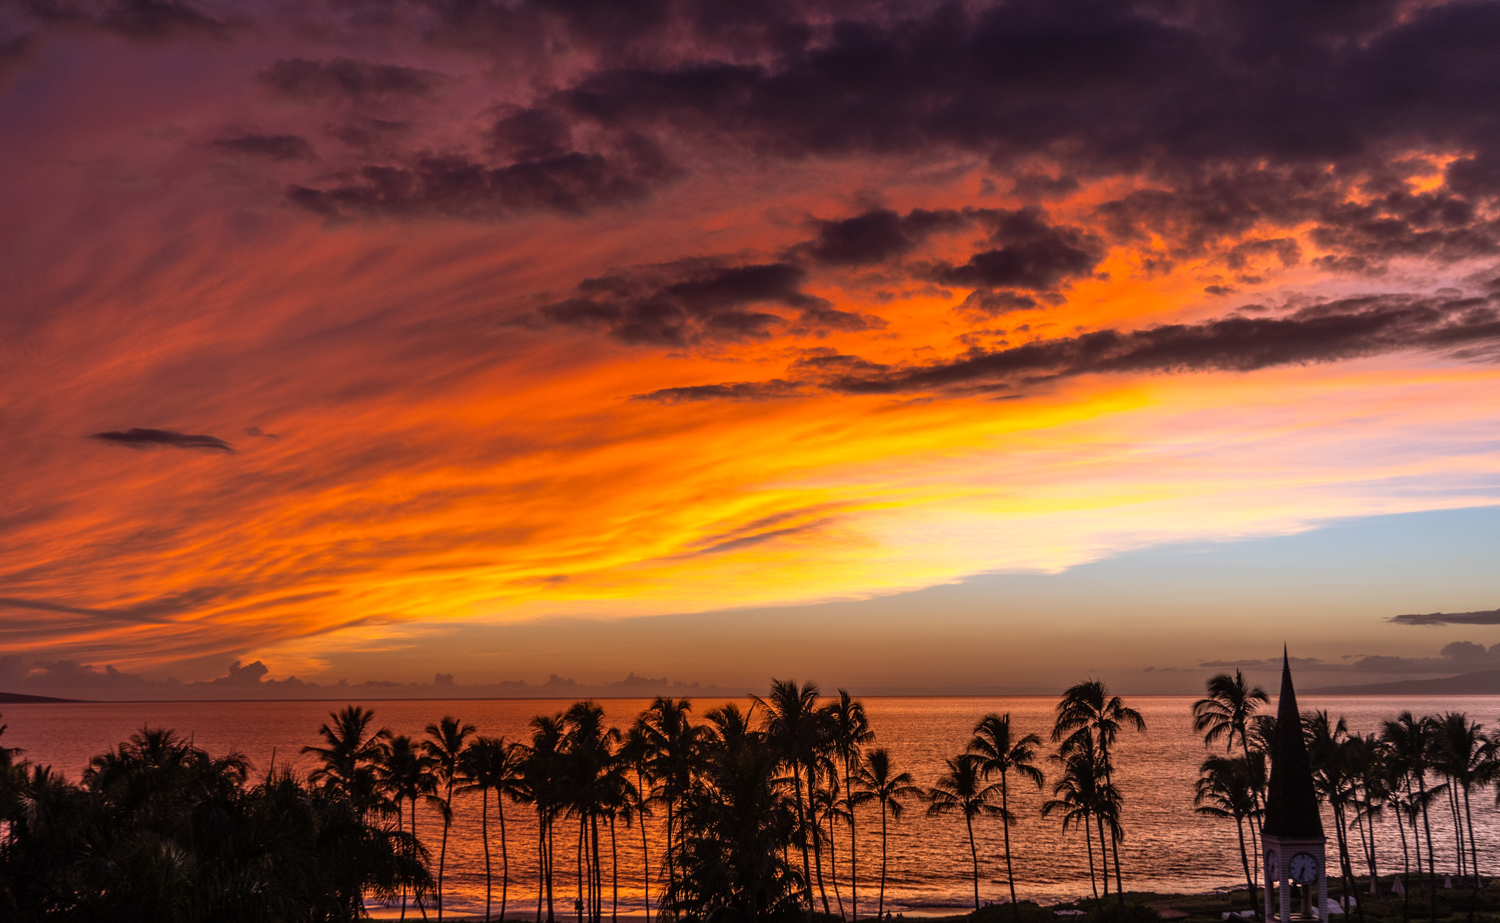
[{"x": 1292, "y": 833}]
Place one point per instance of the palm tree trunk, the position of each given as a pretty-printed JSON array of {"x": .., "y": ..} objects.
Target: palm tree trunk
[
  {"x": 614, "y": 871},
  {"x": 578, "y": 901},
  {"x": 443, "y": 852},
  {"x": 1405, "y": 866},
  {"x": 1010, "y": 872},
  {"x": 541, "y": 865},
  {"x": 551, "y": 864},
  {"x": 504, "y": 855},
  {"x": 817, "y": 839},
  {"x": 484, "y": 834},
  {"x": 645, "y": 852},
  {"x": 802, "y": 829},
  {"x": 853, "y": 852},
  {"x": 1368, "y": 848},
  {"x": 974, "y": 854},
  {"x": 413, "y": 836},
  {"x": 1431, "y": 862},
  {"x": 833, "y": 866},
  {"x": 1103, "y": 853},
  {"x": 1239, "y": 823},
  {"x": 1473, "y": 851},
  {"x": 1088, "y": 840},
  {"x": 880, "y": 907}
]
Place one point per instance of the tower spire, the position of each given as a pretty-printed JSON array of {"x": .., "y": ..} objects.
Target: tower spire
[{"x": 1291, "y": 802}]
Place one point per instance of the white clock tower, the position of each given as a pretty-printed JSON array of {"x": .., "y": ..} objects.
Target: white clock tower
[{"x": 1292, "y": 833}]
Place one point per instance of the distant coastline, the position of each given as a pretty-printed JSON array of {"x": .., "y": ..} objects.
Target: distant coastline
[
  {"x": 1483, "y": 682},
  {"x": 16, "y": 698}
]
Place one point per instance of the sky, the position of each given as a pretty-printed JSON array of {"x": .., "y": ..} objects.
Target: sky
[{"x": 902, "y": 346}]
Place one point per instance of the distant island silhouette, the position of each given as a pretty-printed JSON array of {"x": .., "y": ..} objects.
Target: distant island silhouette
[
  {"x": 1482, "y": 682},
  {"x": 16, "y": 698}
]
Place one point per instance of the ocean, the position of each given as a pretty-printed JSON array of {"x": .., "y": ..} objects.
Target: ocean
[{"x": 1167, "y": 847}]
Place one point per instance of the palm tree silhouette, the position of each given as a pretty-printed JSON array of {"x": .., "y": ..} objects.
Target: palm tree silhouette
[
  {"x": 849, "y": 729},
  {"x": 1228, "y": 709},
  {"x": 1088, "y": 706},
  {"x": 492, "y": 764},
  {"x": 1224, "y": 789},
  {"x": 671, "y": 751},
  {"x": 406, "y": 773},
  {"x": 1079, "y": 795},
  {"x": 1333, "y": 780},
  {"x": 879, "y": 783},
  {"x": 591, "y": 768},
  {"x": 1463, "y": 757},
  {"x": 961, "y": 788},
  {"x": 998, "y": 751},
  {"x": 1409, "y": 740},
  {"x": 635, "y": 753},
  {"x": 445, "y": 746},
  {"x": 347, "y": 762},
  {"x": 796, "y": 728}
]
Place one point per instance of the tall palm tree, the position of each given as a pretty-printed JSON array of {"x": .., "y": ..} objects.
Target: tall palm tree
[
  {"x": 879, "y": 783},
  {"x": 541, "y": 785},
  {"x": 1409, "y": 740},
  {"x": 591, "y": 767},
  {"x": 961, "y": 788},
  {"x": 849, "y": 729},
  {"x": 492, "y": 764},
  {"x": 671, "y": 745},
  {"x": 1333, "y": 779},
  {"x": 635, "y": 753},
  {"x": 445, "y": 746},
  {"x": 1224, "y": 789},
  {"x": 1462, "y": 753},
  {"x": 1088, "y": 707},
  {"x": 1083, "y": 798},
  {"x": 406, "y": 773},
  {"x": 347, "y": 763},
  {"x": 796, "y": 727},
  {"x": 999, "y": 751}
]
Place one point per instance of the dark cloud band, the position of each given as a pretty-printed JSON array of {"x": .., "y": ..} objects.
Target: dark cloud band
[{"x": 150, "y": 438}]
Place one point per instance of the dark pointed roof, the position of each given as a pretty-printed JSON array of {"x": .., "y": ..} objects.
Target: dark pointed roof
[{"x": 1291, "y": 803}]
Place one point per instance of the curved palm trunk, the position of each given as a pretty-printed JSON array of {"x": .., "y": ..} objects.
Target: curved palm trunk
[
  {"x": 973, "y": 854},
  {"x": 833, "y": 866},
  {"x": 1010, "y": 873},
  {"x": 1103, "y": 853},
  {"x": 880, "y": 907},
  {"x": 1431, "y": 862},
  {"x": 817, "y": 840},
  {"x": 443, "y": 851},
  {"x": 484, "y": 835},
  {"x": 1088, "y": 841}
]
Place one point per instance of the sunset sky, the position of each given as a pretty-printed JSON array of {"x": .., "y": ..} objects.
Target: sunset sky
[{"x": 905, "y": 345}]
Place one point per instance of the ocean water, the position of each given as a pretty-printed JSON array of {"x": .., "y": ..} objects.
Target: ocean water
[{"x": 1167, "y": 847}]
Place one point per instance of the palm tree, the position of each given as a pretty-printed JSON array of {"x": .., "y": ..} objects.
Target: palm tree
[
  {"x": 796, "y": 728},
  {"x": 445, "y": 746},
  {"x": 348, "y": 760},
  {"x": 1082, "y": 796},
  {"x": 671, "y": 745},
  {"x": 541, "y": 784},
  {"x": 635, "y": 753},
  {"x": 961, "y": 788},
  {"x": 1409, "y": 740},
  {"x": 492, "y": 764},
  {"x": 829, "y": 806},
  {"x": 998, "y": 751},
  {"x": 1224, "y": 789},
  {"x": 849, "y": 729},
  {"x": 1228, "y": 710},
  {"x": 879, "y": 783},
  {"x": 1463, "y": 758},
  {"x": 590, "y": 766},
  {"x": 406, "y": 773},
  {"x": 1331, "y": 757},
  {"x": 1088, "y": 706}
]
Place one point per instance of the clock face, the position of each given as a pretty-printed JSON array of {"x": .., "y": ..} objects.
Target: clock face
[{"x": 1304, "y": 868}]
